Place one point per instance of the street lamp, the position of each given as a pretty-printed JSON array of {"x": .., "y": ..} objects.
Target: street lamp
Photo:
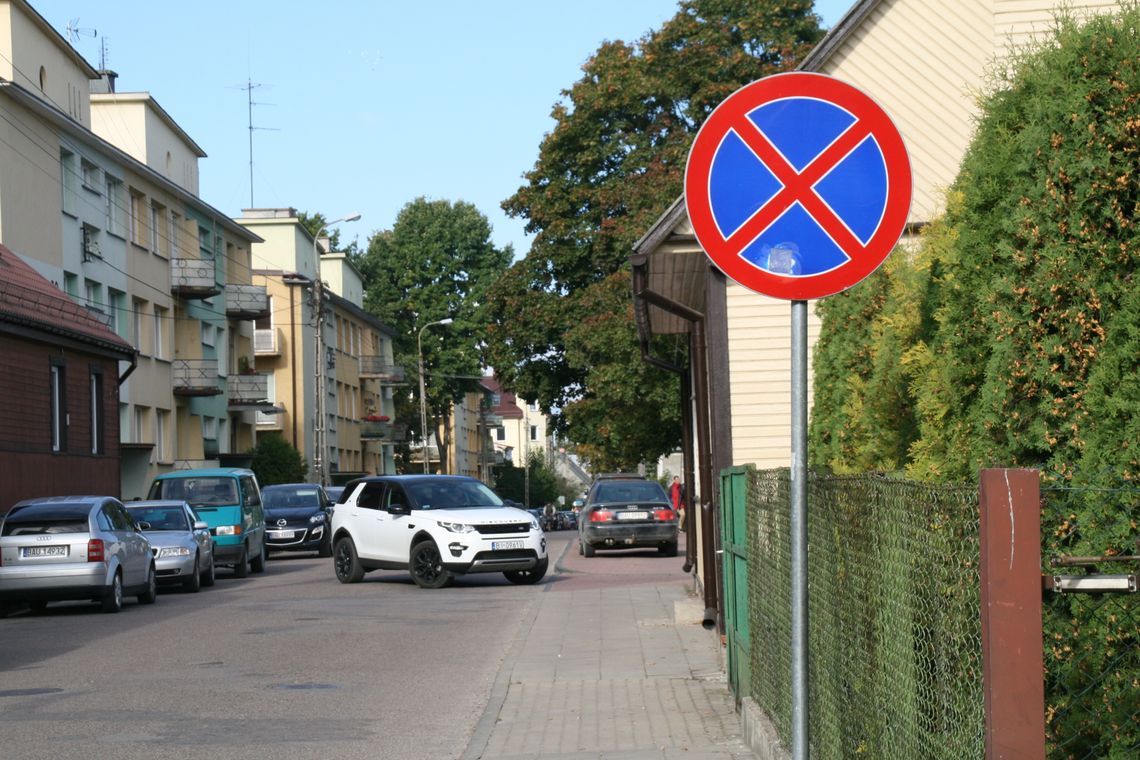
[
  {"x": 319, "y": 438},
  {"x": 423, "y": 397}
]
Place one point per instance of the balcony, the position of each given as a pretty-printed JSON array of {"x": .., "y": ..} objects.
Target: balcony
[
  {"x": 195, "y": 377},
  {"x": 248, "y": 393},
  {"x": 193, "y": 278},
  {"x": 267, "y": 342},
  {"x": 388, "y": 432},
  {"x": 375, "y": 368},
  {"x": 247, "y": 302}
]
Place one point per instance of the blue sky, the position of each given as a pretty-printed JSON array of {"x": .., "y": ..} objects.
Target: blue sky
[{"x": 365, "y": 104}]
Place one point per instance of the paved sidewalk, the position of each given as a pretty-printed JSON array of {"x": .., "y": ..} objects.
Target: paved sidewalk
[{"x": 610, "y": 674}]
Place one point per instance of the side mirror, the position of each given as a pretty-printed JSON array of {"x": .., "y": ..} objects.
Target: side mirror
[
  {"x": 399, "y": 509},
  {"x": 144, "y": 525},
  {"x": 201, "y": 525}
]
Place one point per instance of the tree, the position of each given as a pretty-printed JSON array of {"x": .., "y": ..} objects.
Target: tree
[
  {"x": 276, "y": 461},
  {"x": 544, "y": 486},
  {"x": 435, "y": 263},
  {"x": 314, "y": 223},
  {"x": 613, "y": 163}
]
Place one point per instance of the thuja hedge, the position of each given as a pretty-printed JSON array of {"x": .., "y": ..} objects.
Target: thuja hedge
[{"x": 1010, "y": 336}]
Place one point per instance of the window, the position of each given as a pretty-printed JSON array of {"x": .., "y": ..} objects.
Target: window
[
  {"x": 207, "y": 334},
  {"x": 69, "y": 180},
  {"x": 210, "y": 428},
  {"x": 534, "y": 432},
  {"x": 266, "y": 322},
  {"x": 91, "y": 249},
  {"x": 157, "y": 217},
  {"x": 116, "y": 207},
  {"x": 117, "y": 301},
  {"x": 159, "y": 332},
  {"x": 496, "y": 399},
  {"x": 500, "y": 434},
  {"x": 58, "y": 401},
  {"x": 160, "y": 418},
  {"x": 137, "y": 308},
  {"x": 138, "y": 217},
  {"x": 96, "y": 386},
  {"x": 92, "y": 177},
  {"x": 140, "y": 427},
  {"x": 71, "y": 284},
  {"x": 175, "y": 231}
]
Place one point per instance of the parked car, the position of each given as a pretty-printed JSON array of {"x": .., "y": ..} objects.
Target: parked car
[
  {"x": 297, "y": 518},
  {"x": 181, "y": 542},
  {"x": 229, "y": 500},
  {"x": 436, "y": 527},
  {"x": 74, "y": 547},
  {"x": 627, "y": 512}
]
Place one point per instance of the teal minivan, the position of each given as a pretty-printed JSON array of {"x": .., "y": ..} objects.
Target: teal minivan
[{"x": 228, "y": 499}]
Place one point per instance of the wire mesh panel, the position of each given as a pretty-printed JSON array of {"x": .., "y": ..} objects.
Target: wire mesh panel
[
  {"x": 894, "y": 626},
  {"x": 1092, "y": 640}
]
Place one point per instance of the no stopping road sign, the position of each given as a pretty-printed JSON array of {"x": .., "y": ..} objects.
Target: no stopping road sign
[{"x": 798, "y": 186}]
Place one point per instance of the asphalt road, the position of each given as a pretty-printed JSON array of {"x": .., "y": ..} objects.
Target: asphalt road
[{"x": 287, "y": 664}]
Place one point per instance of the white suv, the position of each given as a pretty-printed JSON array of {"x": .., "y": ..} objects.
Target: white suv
[{"x": 436, "y": 527}]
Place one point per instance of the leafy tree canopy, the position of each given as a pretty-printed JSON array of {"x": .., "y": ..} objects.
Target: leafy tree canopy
[
  {"x": 435, "y": 263},
  {"x": 612, "y": 164}
]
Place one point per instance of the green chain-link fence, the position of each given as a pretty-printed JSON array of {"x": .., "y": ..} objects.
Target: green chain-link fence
[
  {"x": 1092, "y": 641},
  {"x": 895, "y": 655},
  {"x": 894, "y": 633}
]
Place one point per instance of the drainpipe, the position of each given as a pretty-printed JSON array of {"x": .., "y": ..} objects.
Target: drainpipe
[{"x": 698, "y": 351}]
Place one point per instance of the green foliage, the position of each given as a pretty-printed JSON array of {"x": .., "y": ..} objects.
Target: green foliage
[
  {"x": 1046, "y": 248},
  {"x": 545, "y": 486},
  {"x": 276, "y": 461},
  {"x": 612, "y": 164},
  {"x": 436, "y": 262}
]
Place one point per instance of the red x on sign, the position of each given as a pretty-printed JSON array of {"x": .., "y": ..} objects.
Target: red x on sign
[{"x": 798, "y": 186}]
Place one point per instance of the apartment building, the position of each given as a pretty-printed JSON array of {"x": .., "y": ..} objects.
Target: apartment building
[
  {"x": 329, "y": 370},
  {"x": 523, "y": 428},
  {"x": 98, "y": 192}
]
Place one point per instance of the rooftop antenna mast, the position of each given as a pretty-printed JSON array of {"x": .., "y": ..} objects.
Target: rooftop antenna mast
[
  {"x": 249, "y": 88},
  {"x": 74, "y": 31}
]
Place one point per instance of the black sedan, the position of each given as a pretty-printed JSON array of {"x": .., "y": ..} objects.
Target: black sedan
[
  {"x": 627, "y": 514},
  {"x": 297, "y": 518}
]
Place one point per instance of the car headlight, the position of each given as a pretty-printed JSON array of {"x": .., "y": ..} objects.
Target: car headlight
[
  {"x": 173, "y": 551},
  {"x": 228, "y": 530},
  {"x": 319, "y": 517},
  {"x": 534, "y": 524},
  {"x": 457, "y": 527}
]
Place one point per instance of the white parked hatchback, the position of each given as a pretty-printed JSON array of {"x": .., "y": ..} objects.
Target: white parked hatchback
[{"x": 436, "y": 527}]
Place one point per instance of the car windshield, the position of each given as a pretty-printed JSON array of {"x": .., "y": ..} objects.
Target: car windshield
[
  {"x": 286, "y": 497},
  {"x": 160, "y": 518},
  {"x": 198, "y": 492},
  {"x": 59, "y": 518},
  {"x": 645, "y": 490},
  {"x": 451, "y": 494}
]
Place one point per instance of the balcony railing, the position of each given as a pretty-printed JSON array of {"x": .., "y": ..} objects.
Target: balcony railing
[
  {"x": 195, "y": 377},
  {"x": 374, "y": 367},
  {"x": 245, "y": 390},
  {"x": 267, "y": 342},
  {"x": 193, "y": 278},
  {"x": 247, "y": 302},
  {"x": 389, "y": 432}
]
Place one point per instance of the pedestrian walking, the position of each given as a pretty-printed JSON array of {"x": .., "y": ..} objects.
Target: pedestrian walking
[{"x": 677, "y": 497}]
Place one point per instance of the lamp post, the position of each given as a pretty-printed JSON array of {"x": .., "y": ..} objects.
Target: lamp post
[
  {"x": 319, "y": 426},
  {"x": 423, "y": 396}
]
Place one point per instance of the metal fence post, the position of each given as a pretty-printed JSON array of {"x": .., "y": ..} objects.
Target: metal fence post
[{"x": 1010, "y": 570}]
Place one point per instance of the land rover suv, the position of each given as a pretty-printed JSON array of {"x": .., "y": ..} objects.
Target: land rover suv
[{"x": 436, "y": 527}]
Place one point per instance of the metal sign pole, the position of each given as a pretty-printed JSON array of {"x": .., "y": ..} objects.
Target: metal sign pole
[{"x": 799, "y": 533}]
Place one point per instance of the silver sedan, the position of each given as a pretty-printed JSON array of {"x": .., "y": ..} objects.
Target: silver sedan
[{"x": 183, "y": 548}]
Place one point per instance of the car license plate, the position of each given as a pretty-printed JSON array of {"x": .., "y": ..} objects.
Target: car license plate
[
  {"x": 501, "y": 545},
  {"x": 44, "y": 551},
  {"x": 280, "y": 534},
  {"x": 632, "y": 515}
]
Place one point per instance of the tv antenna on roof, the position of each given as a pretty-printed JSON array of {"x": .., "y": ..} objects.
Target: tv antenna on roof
[{"x": 74, "y": 31}]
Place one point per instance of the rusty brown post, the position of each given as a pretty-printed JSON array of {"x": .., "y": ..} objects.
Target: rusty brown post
[{"x": 1012, "y": 659}]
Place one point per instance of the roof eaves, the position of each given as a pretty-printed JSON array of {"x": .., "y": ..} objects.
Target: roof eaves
[{"x": 839, "y": 33}]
